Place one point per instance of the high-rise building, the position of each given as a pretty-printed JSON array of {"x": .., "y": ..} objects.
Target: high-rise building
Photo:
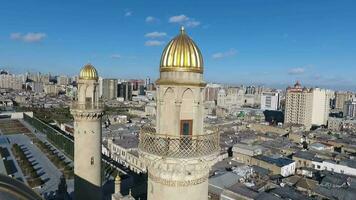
[
  {"x": 178, "y": 153},
  {"x": 307, "y": 106},
  {"x": 62, "y": 80},
  {"x": 100, "y": 80},
  {"x": 10, "y": 81},
  {"x": 136, "y": 84},
  {"x": 87, "y": 112},
  {"x": 211, "y": 92},
  {"x": 350, "y": 109},
  {"x": 320, "y": 106},
  {"x": 341, "y": 98},
  {"x": 51, "y": 89},
  {"x": 270, "y": 101},
  {"x": 147, "y": 81},
  {"x": 109, "y": 87},
  {"x": 299, "y": 102},
  {"x": 124, "y": 90},
  {"x": 36, "y": 87},
  {"x": 230, "y": 98}
]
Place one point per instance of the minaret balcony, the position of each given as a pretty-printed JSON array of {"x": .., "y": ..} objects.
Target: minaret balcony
[{"x": 178, "y": 146}]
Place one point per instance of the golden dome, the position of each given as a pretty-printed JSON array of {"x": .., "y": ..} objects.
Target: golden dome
[
  {"x": 181, "y": 54},
  {"x": 88, "y": 72}
]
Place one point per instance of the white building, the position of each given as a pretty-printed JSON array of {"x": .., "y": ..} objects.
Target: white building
[
  {"x": 343, "y": 167},
  {"x": 230, "y": 98},
  {"x": 270, "y": 101},
  {"x": 320, "y": 106}
]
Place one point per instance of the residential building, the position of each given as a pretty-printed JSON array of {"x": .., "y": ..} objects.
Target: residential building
[
  {"x": 350, "y": 108},
  {"x": 341, "y": 98},
  {"x": 320, "y": 107},
  {"x": 307, "y": 106},
  {"x": 270, "y": 101},
  {"x": 63, "y": 80},
  {"x": 211, "y": 92},
  {"x": 299, "y": 102},
  {"x": 230, "y": 98},
  {"x": 281, "y": 165},
  {"x": 9, "y": 81},
  {"x": 124, "y": 90},
  {"x": 243, "y": 152},
  {"x": 109, "y": 88}
]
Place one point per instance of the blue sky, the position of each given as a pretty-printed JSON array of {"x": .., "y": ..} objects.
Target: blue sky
[{"x": 271, "y": 42}]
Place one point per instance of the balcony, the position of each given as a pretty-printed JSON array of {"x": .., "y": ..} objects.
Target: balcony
[
  {"x": 87, "y": 106},
  {"x": 178, "y": 146}
]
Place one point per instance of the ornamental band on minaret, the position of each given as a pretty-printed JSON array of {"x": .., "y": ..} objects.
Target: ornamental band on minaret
[
  {"x": 178, "y": 153},
  {"x": 87, "y": 111}
]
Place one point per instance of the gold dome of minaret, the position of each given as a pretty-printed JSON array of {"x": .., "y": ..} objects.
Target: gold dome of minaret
[
  {"x": 182, "y": 54},
  {"x": 88, "y": 72}
]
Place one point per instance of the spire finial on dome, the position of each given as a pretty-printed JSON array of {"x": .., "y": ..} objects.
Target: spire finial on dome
[{"x": 182, "y": 30}]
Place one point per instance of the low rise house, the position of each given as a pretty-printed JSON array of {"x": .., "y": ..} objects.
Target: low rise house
[{"x": 281, "y": 165}]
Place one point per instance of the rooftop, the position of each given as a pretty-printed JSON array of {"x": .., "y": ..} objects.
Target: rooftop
[{"x": 280, "y": 162}]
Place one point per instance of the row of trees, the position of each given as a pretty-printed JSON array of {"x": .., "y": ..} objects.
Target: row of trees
[
  {"x": 65, "y": 144},
  {"x": 26, "y": 166},
  {"x": 55, "y": 158}
]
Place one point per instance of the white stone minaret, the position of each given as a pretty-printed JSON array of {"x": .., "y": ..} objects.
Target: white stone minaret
[
  {"x": 178, "y": 153},
  {"x": 87, "y": 111}
]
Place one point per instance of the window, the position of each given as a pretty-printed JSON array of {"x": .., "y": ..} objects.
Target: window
[
  {"x": 186, "y": 127},
  {"x": 92, "y": 160}
]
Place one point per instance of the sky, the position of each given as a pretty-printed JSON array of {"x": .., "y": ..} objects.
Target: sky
[{"x": 269, "y": 42}]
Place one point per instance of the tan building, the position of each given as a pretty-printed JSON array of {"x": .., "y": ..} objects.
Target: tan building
[
  {"x": 341, "y": 98},
  {"x": 230, "y": 98},
  {"x": 307, "y": 106},
  {"x": 87, "y": 111},
  {"x": 299, "y": 103},
  {"x": 51, "y": 89},
  {"x": 244, "y": 153},
  {"x": 179, "y": 153},
  {"x": 10, "y": 82},
  {"x": 109, "y": 88}
]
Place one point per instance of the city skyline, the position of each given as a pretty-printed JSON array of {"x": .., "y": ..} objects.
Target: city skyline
[{"x": 272, "y": 44}]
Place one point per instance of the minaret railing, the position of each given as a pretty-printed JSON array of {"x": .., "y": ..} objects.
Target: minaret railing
[{"x": 182, "y": 146}]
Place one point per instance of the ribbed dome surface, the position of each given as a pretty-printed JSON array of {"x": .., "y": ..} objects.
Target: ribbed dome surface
[
  {"x": 88, "y": 72},
  {"x": 182, "y": 54}
]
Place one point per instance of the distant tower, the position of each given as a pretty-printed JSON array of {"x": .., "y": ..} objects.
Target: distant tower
[
  {"x": 87, "y": 111},
  {"x": 179, "y": 154}
]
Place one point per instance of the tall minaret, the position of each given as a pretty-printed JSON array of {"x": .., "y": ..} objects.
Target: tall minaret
[
  {"x": 87, "y": 111},
  {"x": 179, "y": 153}
]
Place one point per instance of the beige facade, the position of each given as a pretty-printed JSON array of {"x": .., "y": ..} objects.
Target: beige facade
[
  {"x": 298, "y": 106},
  {"x": 341, "y": 98},
  {"x": 230, "y": 98},
  {"x": 307, "y": 106},
  {"x": 11, "y": 82}
]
